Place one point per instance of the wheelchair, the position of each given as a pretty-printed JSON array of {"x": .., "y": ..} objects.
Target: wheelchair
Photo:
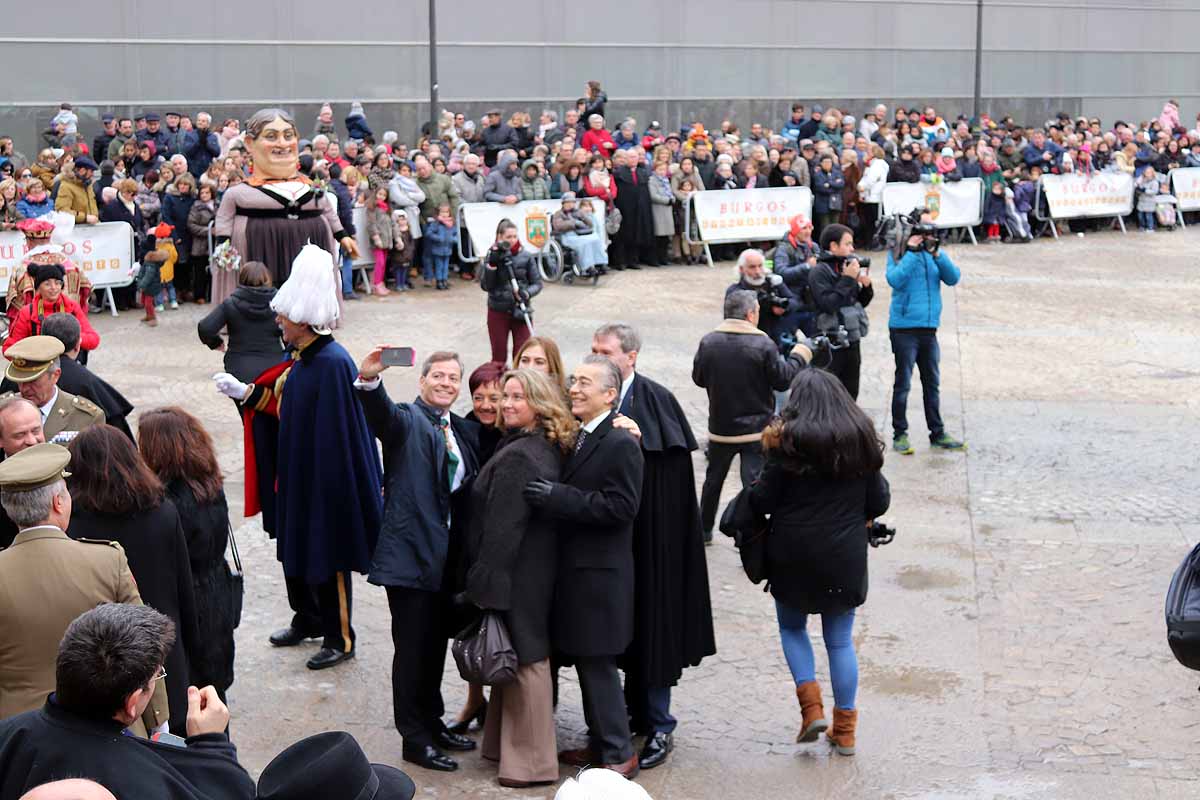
[{"x": 557, "y": 262}]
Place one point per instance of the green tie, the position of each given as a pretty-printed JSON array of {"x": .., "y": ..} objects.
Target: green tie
[{"x": 452, "y": 459}]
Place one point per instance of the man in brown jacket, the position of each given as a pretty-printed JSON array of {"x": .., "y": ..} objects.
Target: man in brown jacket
[
  {"x": 75, "y": 195},
  {"x": 47, "y": 580}
]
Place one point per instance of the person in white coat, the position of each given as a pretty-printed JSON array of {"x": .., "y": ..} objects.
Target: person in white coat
[{"x": 870, "y": 193}]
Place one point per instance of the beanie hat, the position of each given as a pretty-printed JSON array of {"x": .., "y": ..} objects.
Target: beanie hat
[{"x": 47, "y": 272}]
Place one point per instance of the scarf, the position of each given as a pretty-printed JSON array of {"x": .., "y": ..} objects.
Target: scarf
[
  {"x": 946, "y": 164},
  {"x": 664, "y": 182},
  {"x": 989, "y": 170}
]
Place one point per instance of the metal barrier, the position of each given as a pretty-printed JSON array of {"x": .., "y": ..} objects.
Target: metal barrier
[
  {"x": 687, "y": 230},
  {"x": 463, "y": 257}
]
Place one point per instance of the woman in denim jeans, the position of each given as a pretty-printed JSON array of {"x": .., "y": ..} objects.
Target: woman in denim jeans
[{"x": 821, "y": 484}]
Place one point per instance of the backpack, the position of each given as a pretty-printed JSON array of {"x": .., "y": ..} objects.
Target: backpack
[{"x": 1183, "y": 611}]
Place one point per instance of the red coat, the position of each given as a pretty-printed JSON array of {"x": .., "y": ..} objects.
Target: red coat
[
  {"x": 598, "y": 141},
  {"x": 596, "y": 191},
  {"x": 28, "y": 322}
]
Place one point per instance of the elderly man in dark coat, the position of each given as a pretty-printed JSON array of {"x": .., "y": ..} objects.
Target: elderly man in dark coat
[
  {"x": 673, "y": 626},
  {"x": 634, "y": 242},
  {"x": 431, "y": 458}
]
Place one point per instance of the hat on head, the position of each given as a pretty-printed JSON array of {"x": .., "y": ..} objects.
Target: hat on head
[
  {"x": 152, "y": 117},
  {"x": 493, "y": 112},
  {"x": 947, "y": 152},
  {"x": 848, "y": 120},
  {"x": 309, "y": 296},
  {"x": 46, "y": 272},
  {"x": 655, "y": 126},
  {"x": 34, "y": 467},
  {"x": 674, "y": 135},
  {"x": 818, "y": 109},
  {"x": 172, "y": 114},
  {"x": 568, "y": 196},
  {"x": 806, "y": 143},
  {"x": 29, "y": 358},
  {"x": 36, "y": 230},
  {"x": 330, "y": 764},
  {"x": 163, "y": 231},
  {"x": 468, "y": 125},
  {"x": 107, "y": 118},
  {"x": 85, "y": 162}
]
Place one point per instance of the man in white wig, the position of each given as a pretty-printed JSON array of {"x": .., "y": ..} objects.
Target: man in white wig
[{"x": 311, "y": 463}]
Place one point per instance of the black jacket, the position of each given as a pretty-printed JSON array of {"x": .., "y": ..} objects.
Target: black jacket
[
  {"x": 496, "y": 138},
  {"x": 742, "y": 369},
  {"x": 595, "y": 506},
  {"x": 832, "y": 291},
  {"x": 253, "y": 344},
  {"x": 902, "y": 171},
  {"x": 497, "y": 283},
  {"x": 817, "y": 546},
  {"x": 345, "y": 203},
  {"x": 510, "y": 554},
  {"x": 633, "y": 199},
  {"x": 115, "y": 211},
  {"x": 773, "y": 325},
  {"x": 52, "y": 743},
  {"x": 158, "y": 558}
]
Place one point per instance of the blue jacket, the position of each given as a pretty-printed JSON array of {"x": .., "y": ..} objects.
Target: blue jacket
[
  {"x": 791, "y": 129},
  {"x": 825, "y": 185},
  {"x": 345, "y": 203},
  {"x": 200, "y": 150},
  {"x": 916, "y": 282},
  {"x": 439, "y": 240},
  {"x": 356, "y": 127},
  {"x": 32, "y": 210}
]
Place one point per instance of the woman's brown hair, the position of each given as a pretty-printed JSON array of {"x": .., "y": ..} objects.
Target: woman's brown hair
[
  {"x": 108, "y": 476},
  {"x": 176, "y": 447},
  {"x": 553, "y": 359},
  {"x": 254, "y": 273}
]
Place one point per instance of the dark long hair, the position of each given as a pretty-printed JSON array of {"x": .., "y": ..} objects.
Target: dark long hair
[
  {"x": 175, "y": 446},
  {"x": 822, "y": 431},
  {"x": 108, "y": 476}
]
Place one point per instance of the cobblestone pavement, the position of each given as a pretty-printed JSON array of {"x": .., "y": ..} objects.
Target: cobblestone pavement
[{"x": 1012, "y": 645}]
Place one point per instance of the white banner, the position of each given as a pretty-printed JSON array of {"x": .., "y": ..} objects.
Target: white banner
[
  {"x": 103, "y": 252},
  {"x": 1185, "y": 185},
  {"x": 1104, "y": 194},
  {"x": 749, "y": 215},
  {"x": 482, "y": 219},
  {"x": 957, "y": 204}
]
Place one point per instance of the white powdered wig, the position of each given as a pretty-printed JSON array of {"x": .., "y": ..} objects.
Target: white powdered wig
[
  {"x": 600, "y": 784},
  {"x": 309, "y": 295}
]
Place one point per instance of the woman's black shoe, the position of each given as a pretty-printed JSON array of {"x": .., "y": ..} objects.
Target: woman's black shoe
[{"x": 478, "y": 718}]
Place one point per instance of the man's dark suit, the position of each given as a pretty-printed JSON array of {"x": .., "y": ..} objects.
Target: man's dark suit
[{"x": 595, "y": 505}]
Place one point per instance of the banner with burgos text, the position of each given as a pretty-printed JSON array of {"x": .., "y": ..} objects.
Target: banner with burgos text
[
  {"x": 749, "y": 215},
  {"x": 532, "y": 218},
  {"x": 957, "y": 204},
  {"x": 1185, "y": 185},
  {"x": 1101, "y": 194},
  {"x": 103, "y": 252}
]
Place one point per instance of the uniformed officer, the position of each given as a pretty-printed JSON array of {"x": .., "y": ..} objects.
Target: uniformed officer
[
  {"x": 47, "y": 580},
  {"x": 34, "y": 366}
]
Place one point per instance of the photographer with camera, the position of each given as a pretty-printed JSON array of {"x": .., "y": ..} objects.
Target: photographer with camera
[
  {"x": 511, "y": 279},
  {"x": 916, "y": 270},
  {"x": 841, "y": 290},
  {"x": 778, "y": 305}
]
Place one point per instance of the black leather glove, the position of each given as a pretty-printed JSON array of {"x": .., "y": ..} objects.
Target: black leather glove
[
  {"x": 537, "y": 492},
  {"x": 523, "y": 295}
]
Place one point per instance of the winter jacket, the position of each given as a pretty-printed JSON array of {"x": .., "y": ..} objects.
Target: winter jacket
[
  {"x": 1147, "y": 193},
  {"x": 503, "y": 181},
  {"x": 677, "y": 180},
  {"x": 824, "y": 186},
  {"x": 76, "y": 198},
  {"x": 470, "y": 189},
  {"x": 345, "y": 206},
  {"x": 902, "y": 171},
  {"x": 870, "y": 186},
  {"x": 496, "y": 138},
  {"x": 1009, "y": 161},
  {"x": 1032, "y": 154},
  {"x": 1024, "y": 195},
  {"x": 834, "y": 137},
  {"x": 916, "y": 281},
  {"x": 533, "y": 188},
  {"x": 790, "y": 130},
  {"x": 200, "y": 148},
  {"x": 574, "y": 222},
  {"x": 356, "y": 127},
  {"x": 832, "y": 291},
  {"x": 594, "y": 106},
  {"x": 379, "y": 226},
  {"x": 197, "y": 224},
  {"x": 438, "y": 191},
  {"x": 995, "y": 176},
  {"x": 817, "y": 547},
  {"x": 30, "y": 210},
  {"x": 149, "y": 202},
  {"x": 406, "y": 195},
  {"x": 661, "y": 207},
  {"x": 524, "y": 141},
  {"x": 741, "y": 369},
  {"x": 561, "y": 184},
  {"x": 439, "y": 240},
  {"x": 175, "y": 210},
  {"x": 249, "y": 322},
  {"x": 598, "y": 141},
  {"x": 497, "y": 281},
  {"x": 994, "y": 208}
]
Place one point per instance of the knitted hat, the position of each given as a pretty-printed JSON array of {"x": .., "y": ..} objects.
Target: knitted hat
[
  {"x": 309, "y": 296},
  {"x": 46, "y": 272}
]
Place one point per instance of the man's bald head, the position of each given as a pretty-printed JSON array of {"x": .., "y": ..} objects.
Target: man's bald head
[{"x": 72, "y": 789}]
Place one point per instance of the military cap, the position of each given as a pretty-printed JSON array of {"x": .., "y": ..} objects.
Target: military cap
[
  {"x": 34, "y": 467},
  {"x": 30, "y": 357}
]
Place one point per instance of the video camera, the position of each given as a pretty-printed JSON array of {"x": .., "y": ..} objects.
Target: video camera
[
  {"x": 500, "y": 258},
  {"x": 879, "y": 534},
  {"x": 837, "y": 339},
  {"x": 768, "y": 297},
  {"x": 909, "y": 225},
  {"x": 836, "y": 262}
]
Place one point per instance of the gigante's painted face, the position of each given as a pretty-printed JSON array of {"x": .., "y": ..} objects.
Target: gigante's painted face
[{"x": 275, "y": 150}]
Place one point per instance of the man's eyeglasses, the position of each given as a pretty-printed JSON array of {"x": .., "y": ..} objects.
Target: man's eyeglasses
[{"x": 162, "y": 673}]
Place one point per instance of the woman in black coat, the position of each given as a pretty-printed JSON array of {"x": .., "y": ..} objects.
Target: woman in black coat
[
  {"x": 247, "y": 318},
  {"x": 117, "y": 498},
  {"x": 179, "y": 451},
  {"x": 821, "y": 486},
  {"x": 511, "y": 556}
]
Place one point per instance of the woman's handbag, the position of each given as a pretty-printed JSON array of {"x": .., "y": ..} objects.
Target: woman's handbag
[
  {"x": 612, "y": 221},
  {"x": 237, "y": 580},
  {"x": 749, "y": 532},
  {"x": 484, "y": 653}
]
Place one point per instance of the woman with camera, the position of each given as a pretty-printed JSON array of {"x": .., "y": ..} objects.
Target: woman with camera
[
  {"x": 821, "y": 485},
  {"x": 511, "y": 279}
]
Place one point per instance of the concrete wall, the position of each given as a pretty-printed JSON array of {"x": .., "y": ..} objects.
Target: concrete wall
[{"x": 671, "y": 60}]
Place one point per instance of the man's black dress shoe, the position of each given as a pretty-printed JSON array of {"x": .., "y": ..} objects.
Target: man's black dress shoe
[
  {"x": 327, "y": 657},
  {"x": 290, "y": 637},
  {"x": 429, "y": 757},
  {"x": 453, "y": 741},
  {"x": 658, "y": 746}
]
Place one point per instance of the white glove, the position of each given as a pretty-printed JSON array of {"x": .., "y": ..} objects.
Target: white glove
[{"x": 231, "y": 386}]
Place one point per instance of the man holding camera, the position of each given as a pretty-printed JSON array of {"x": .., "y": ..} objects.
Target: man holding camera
[
  {"x": 841, "y": 290},
  {"x": 778, "y": 306},
  {"x": 916, "y": 274}
]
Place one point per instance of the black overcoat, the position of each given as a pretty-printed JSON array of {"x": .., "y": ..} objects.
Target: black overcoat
[
  {"x": 511, "y": 552},
  {"x": 633, "y": 198},
  {"x": 594, "y": 507}
]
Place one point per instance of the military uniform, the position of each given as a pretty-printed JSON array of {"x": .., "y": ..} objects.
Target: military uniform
[
  {"x": 29, "y": 359},
  {"x": 46, "y": 581}
]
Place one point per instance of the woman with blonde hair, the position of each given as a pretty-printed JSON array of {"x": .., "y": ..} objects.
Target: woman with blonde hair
[{"x": 510, "y": 559}]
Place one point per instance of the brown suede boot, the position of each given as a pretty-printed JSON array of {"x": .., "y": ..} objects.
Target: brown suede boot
[
  {"x": 841, "y": 735},
  {"x": 812, "y": 712}
]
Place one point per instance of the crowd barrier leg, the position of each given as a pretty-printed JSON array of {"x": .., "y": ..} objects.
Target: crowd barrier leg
[
  {"x": 109, "y": 300},
  {"x": 1121, "y": 222},
  {"x": 708, "y": 256}
]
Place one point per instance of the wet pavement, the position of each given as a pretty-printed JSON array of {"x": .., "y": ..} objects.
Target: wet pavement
[{"x": 1013, "y": 643}]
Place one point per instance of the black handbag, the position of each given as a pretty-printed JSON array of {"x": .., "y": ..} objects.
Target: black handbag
[
  {"x": 749, "y": 532},
  {"x": 236, "y": 580},
  {"x": 1183, "y": 611},
  {"x": 484, "y": 652}
]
